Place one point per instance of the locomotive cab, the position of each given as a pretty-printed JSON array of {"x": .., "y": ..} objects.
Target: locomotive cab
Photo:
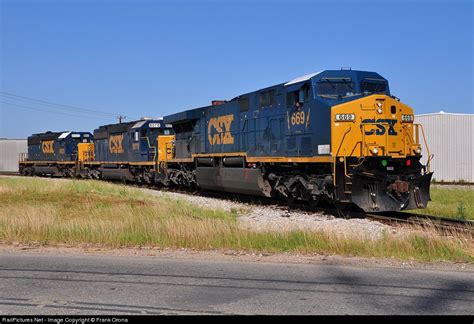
[{"x": 368, "y": 135}]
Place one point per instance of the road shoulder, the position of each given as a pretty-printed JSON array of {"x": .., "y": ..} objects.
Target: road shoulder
[{"x": 235, "y": 256}]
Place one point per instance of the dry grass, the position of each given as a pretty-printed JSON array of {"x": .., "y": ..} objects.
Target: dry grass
[{"x": 41, "y": 211}]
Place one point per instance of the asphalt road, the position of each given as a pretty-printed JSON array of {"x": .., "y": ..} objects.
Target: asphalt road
[{"x": 89, "y": 285}]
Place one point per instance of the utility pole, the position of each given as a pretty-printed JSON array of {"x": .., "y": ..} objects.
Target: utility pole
[{"x": 120, "y": 117}]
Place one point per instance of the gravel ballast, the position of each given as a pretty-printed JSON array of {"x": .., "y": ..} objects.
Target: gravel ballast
[{"x": 278, "y": 218}]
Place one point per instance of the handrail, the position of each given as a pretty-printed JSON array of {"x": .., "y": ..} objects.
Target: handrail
[
  {"x": 428, "y": 160},
  {"x": 416, "y": 141},
  {"x": 337, "y": 153},
  {"x": 149, "y": 146},
  {"x": 23, "y": 157},
  {"x": 342, "y": 140}
]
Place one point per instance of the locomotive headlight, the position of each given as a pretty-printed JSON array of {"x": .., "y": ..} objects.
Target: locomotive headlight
[
  {"x": 375, "y": 150},
  {"x": 345, "y": 117},
  {"x": 407, "y": 118},
  {"x": 379, "y": 107},
  {"x": 418, "y": 150}
]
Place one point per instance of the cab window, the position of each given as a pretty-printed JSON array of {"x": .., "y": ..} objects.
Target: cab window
[
  {"x": 267, "y": 99},
  {"x": 335, "y": 87},
  {"x": 298, "y": 97},
  {"x": 373, "y": 86}
]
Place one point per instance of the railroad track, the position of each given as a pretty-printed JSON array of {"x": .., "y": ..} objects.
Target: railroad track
[
  {"x": 10, "y": 173},
  {"x": 423, "y": 220},
  {"x": 393, "y": 218}
]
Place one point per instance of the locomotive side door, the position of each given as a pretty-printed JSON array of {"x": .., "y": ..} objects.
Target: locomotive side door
[{"x": 298, "y": 119}]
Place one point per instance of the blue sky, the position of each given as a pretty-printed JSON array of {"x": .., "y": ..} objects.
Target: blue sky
[{"x": 153, "y": 58}]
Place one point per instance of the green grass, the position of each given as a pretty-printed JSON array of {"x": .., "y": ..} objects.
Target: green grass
[
  {"x": 451, "y": 202},
  {"x": 44, "y": 212}
]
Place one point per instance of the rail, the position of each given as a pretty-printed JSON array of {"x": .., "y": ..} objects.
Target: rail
[
  {"x": 337, "y": 154},
  {"x": 438, "y": 222},
  {"x": 23, "y": 157},
  {"x": 416, "y": 141},
  {"x": 154, "y": 151},
  {"x": 88, "y": 156}
]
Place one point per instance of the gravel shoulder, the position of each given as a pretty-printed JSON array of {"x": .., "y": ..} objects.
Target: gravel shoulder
[{"x": 279, "y": 218}]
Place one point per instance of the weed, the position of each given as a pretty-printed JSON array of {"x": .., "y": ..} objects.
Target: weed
[{"x": 461, "y": 211}]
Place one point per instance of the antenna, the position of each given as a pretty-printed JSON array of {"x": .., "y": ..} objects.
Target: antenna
[{"x": 120, "y": 117}]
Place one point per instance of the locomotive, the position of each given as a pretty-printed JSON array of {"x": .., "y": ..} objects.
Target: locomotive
[{"x": 336, "y": 135}]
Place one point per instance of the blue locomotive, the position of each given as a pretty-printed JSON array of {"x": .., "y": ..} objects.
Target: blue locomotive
[
  {"x": 54, "y": 152},
  {"x": 128, "y": 151},
  {"x": 334, "y": 135}
]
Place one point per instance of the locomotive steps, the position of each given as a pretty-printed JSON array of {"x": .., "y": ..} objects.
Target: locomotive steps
[{"x": 51, "y": 212}]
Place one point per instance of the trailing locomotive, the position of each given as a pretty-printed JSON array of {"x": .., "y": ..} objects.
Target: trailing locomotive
[
  {"x": 338, "y": 136},
  {"x": 55, "y": 153},
  {"x": 129, "y": 151}
]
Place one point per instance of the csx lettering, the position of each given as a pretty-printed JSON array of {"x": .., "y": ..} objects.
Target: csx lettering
[
  {"x": 47, "y": 147},
  {"x": 115, "y": 144},
  {"x": 218, "y": 130},
  {"x": 381, "y": 128}
]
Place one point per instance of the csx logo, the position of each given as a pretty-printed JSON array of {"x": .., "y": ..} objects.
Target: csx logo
[
  {"x": 115, "y": 144},
  {"x": 218, "y": 130},
  {"x": 47, "y": 147},
  {"x": 381, "y": 128}
]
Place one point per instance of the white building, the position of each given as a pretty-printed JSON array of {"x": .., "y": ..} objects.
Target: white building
[
  {"x": 10, "y": 150},
  {"x": 450, "y": 140}
]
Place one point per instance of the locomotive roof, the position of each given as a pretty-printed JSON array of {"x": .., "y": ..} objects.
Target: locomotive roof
[
  {"x": 356, "y": 75},
  {"x": 294, "y": 84},
  {"x": 302, "y": 78},
  {"x": 37, "y": 138},
  {"x": 131, "y": 124},
  {"x": 125, "y": 127}
]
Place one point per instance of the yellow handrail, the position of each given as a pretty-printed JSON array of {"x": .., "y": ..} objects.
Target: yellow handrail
[
  {"x": 416, "y": 128},
  {"x": 426, "y": 145},
  {"x": 337, "y": 153},
  {"x": 23, "y": 157},
  {"x": 149, "y": 146}
]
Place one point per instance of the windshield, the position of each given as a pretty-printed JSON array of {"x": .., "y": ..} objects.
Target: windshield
[
  {"x": 374, "y": 86},
  {"x": 335, "y": 87}
]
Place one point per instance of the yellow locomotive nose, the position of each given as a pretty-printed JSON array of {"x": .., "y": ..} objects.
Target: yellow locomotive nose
[{"x": 376, "y": 125}]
